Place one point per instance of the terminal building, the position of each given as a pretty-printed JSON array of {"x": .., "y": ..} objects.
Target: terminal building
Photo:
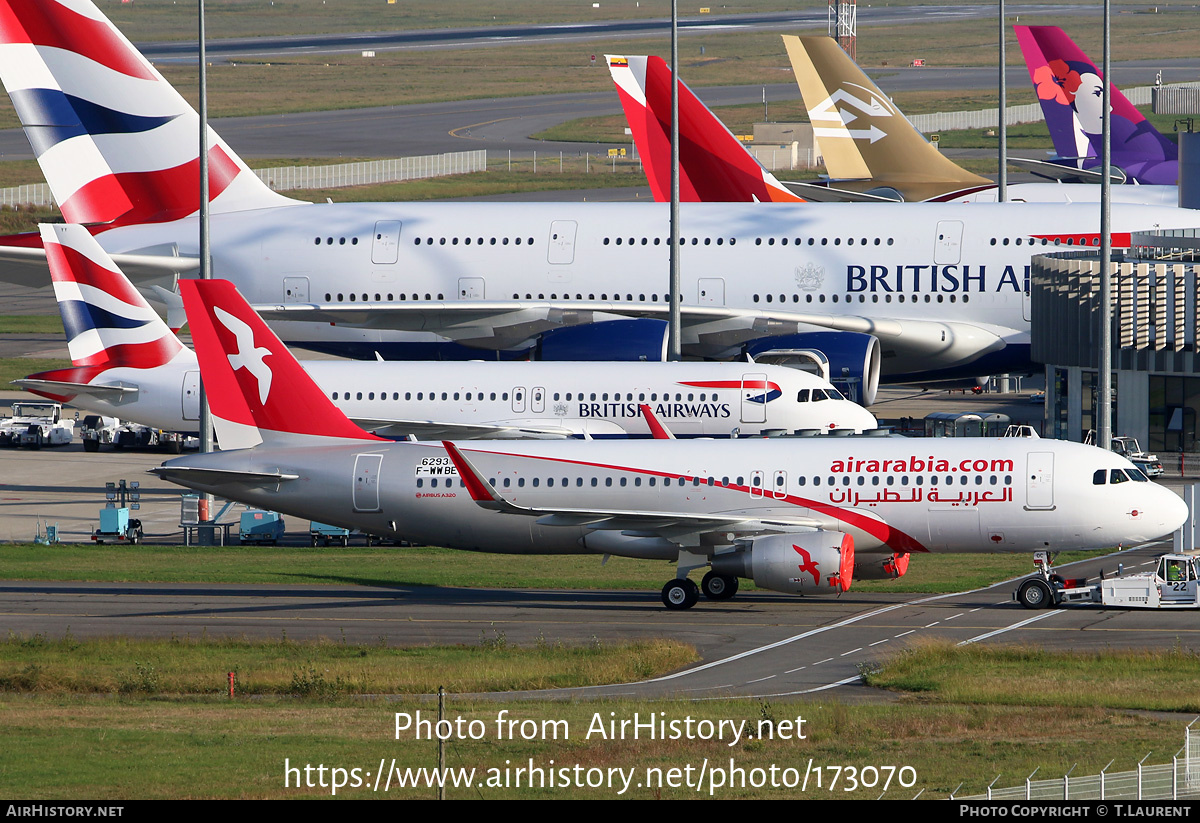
[{"x": 1156, "y": 380}]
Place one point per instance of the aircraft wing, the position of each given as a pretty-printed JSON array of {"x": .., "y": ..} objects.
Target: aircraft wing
[
  {"x": 635, "y": 523},
  {"x": 482, "y": 323},
  {"x": 435, "y": 430},
  {"x": 26, "y": 266}
]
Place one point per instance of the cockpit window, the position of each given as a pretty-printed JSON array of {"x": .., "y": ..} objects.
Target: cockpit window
[
  {"x": 1137, "y": 475},
  {"x": 1099, "y": 477},
  {"x": 818, "y": 394},
  {"x": 1117, "y": 476},
  {"x": 802, "y": 396},
  {"x": 834, "y": 394}
]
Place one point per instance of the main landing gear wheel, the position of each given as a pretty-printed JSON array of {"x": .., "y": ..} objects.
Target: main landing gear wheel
[
  {"x": 680, "y": 593},
  {"x": 1035, "y": 594},
  {"x": 718, "y": 586}
]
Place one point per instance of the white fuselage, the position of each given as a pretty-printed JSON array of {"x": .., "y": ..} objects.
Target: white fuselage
[
  {"x": 892, "y": 494},
  {"x": 943, "y": 285},
  {"x": 600, "y": 399}
]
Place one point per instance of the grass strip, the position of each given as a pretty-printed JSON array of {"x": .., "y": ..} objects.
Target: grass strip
[
  {"x": 326, "y": 669},
  {"x": 1150, "y": 680},
  {"x": 66, "y": 747},
  {"x": 425, "y": 566}
]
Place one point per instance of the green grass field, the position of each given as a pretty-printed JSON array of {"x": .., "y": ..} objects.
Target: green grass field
[
  {"x": 423, "y": 566},
  {"x": 137, "y": 740}
]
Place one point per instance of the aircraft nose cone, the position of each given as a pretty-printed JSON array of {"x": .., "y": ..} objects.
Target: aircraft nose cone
[{"x": 1173, "y": 511}]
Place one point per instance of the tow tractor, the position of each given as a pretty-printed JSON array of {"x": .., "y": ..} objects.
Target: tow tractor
[{"x": 1174, "y": 584}]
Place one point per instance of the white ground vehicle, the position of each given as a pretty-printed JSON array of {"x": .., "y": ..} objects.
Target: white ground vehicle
[
  {"x": 34, "y": 425},
  {"x": 101, "y": 430},
  {"x": 97, "y": 430},
  {"x": 1131, "y": 450},
  {"x": 1172, "y": 585}
]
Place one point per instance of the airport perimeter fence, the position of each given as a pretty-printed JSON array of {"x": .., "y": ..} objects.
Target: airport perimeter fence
[
  {"x": 1031, "y": 113},
  {"x": 287, "y": 178},
  {"x": 1177, "y": 780},
  {"x": 397, "y": 169},
  {"x": 33, "y": 194}
]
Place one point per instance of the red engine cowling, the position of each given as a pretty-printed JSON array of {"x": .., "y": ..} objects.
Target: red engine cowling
[
  {"x": 880, "y": 566},
  {"x": 809, "y": 563}
]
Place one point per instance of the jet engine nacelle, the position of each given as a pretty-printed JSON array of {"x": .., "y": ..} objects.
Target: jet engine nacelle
[
  {"x": 641, "y": 338},
  {"x": 854, "y": 358},
  {"x": 880, "y": 566},
  {"x": 816, "y": 562}
]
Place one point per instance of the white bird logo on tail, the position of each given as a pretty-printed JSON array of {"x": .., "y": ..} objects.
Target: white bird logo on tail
[{"x": 249, "y": 356}]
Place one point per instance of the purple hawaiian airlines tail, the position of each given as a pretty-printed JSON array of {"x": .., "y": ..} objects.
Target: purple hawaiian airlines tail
[
  {"x": 116, "y": 142},
  {"x": 1069, "y": 86}
]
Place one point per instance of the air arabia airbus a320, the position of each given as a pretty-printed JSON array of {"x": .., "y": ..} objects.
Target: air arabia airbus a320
[
  {"x": 800, "y": 515},
  {"x": 939, "y": 290}
]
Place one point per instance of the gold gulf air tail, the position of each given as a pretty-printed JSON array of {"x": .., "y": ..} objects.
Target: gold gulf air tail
[{"x": 871, "y": 150}]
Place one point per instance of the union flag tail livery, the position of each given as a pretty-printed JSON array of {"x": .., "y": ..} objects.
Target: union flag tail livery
[
  {"x": 116, "y": 143},
  {"x": 110, "y": 327},
  {"x": 713, "y": 166},
  {"x": 256, "y": 389},
  {"x": 862, "y": 135},
  {"x": 1069, "y": 87}
]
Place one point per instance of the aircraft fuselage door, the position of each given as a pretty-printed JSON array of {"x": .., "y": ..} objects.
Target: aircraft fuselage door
[
  {"x": 385, "y": 246},
  {"x": 947, "y": 247},
  {"x": 470, "y": 288},
  {"x": 366, "y": 482},
  {"x": 537, "y": 400},
  {"x": 712, "y": 291},
  {"x": 295, "y": 290},
  {"x": 754, "y": 398},
  {"x": 561, "y": 248},
  {"x": 756, "y": 485},
  {"x": 191, "y": 395},
  {"x": 518, "y": 399},
  {"x": 779, "y": 485},
  {"x": 1039, "y": 480}
]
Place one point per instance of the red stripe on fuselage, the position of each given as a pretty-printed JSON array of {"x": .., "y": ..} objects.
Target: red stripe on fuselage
[
  {"x": 1120, "y": 240},
  {"x": 45, "y": 23},
  {"x": 882, "y": 531}
]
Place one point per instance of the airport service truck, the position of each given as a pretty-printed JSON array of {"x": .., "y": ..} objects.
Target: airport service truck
[
  {"x": 1173, "y": 584},
  {"x": 33, "y": 425}
]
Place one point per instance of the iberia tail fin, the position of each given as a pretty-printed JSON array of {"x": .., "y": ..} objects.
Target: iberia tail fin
[
  {"x": 256, "y": 389},
  {"x": 117, "y": 144},
  {"x": 713, "y": 166}
]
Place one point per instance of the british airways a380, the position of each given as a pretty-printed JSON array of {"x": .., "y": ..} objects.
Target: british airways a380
[
  {"x": 798, "y": 515},
  {"x": 927, "y": 291}
]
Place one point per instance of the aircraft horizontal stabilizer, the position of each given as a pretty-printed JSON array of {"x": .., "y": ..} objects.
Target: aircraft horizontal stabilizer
[
  {"x": 830, "y": 194},
  {"x": 1067, "y": 173},
  {"x": 26, "y": 266},
  {"x": 196, "y": 477},
  {"x": 111, "y": 393},
  {"x": 434, "y": 430}
]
